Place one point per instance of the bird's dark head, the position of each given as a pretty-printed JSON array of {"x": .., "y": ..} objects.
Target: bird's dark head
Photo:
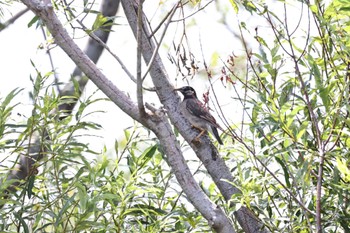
[{"x": 187, "y": 91}]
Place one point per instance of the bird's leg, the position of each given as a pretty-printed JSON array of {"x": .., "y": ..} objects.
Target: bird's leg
[{"x": 202, "y": 131}]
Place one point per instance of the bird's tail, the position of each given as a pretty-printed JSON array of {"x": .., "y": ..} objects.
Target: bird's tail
[{"x": 216, "y": 134}]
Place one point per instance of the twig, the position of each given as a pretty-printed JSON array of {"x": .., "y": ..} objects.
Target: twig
[
  {"x": 51, "y": 63},
  {"x": 13, "y": 19},
  {"x": 318, "y": 135},
  {"x": 155, "y": 52},
  {"x": 139, "y": 80},
  {"x": 200, "y": 9},
  {"x": 98, "y": 40}
]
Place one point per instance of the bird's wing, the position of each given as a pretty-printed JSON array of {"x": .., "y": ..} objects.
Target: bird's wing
[{"x": 196, "y": 108}]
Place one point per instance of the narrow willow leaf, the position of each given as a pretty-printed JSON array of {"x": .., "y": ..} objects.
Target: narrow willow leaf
[
  {"x": 30, "y": 186},
  {"x": 147, "y": 155},
  {"x": 343, "y": 168},
  {"x": 25, "y": 227},
  {"x": 67, "y": 204},
  {"x": 234, "y": 5},
  {"x": 285, "y": 171},
  {"x": 34, "y": 20}
]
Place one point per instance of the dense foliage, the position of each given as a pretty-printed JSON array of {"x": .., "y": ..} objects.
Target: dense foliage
[{"x": 289, "y": 157}]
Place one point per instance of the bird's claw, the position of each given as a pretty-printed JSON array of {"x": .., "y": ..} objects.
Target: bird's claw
[{"x": 196, "y": 140}]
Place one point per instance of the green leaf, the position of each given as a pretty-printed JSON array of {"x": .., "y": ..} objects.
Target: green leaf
[
  {"x": 99, "y": 22},
  {"x": 285, "y": 170},
  {"x": 303, "y": 172},
  {"x": 291, "y": 115},
  {"x": 131, "y": 164},
  {"x": 274, "y": 50},
  {"x": 234, "y": 5},
  {"x": 146, "y": 155},
  {"x": 23, "y": 223},
  {"x": 249, "y": 6},
  {"x": 343, "y": 169},
  {"x": 127, "y": 134},
  {"x": 286, "y": 93},
  {"x": 34, "y": 20},
  {"x": 10, "y": 97},
  {"x": 302, "y": 129},
  {"x": 30, "y": 186},
  {"x": 82, "y": 195},
  {"x": 67, "y": 204}
]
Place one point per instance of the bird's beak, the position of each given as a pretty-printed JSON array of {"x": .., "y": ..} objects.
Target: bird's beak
[{"x": 177, "y": 89}]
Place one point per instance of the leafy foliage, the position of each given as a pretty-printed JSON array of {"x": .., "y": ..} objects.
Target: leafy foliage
[
  {"x": 79, "y": 190},
  {"x": 290, "y": 158},
  {"x": 298, "y": 140}
]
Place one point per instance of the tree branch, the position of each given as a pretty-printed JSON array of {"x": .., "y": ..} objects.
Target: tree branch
[
  {"x": 13, "y": 19},
  {"x": 138, "y": 60},
  {"x": 206, "y": 150},
  {"x": 155, "y": 52},
  {"x": 159, "y": 126}
]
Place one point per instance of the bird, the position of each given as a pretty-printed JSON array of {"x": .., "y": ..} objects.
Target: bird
[{"x": 197, "y": 114}]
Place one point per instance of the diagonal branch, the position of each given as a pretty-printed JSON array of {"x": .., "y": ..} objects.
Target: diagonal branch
[
  {"x": 159, "y": 125},
  {"x": 205, "y": 151},
  {"x": 13, "y": 19}
]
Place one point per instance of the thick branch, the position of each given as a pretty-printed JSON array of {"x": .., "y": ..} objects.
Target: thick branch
[
  {"x": 205, "y": 151},
  {"x": 213, "y": 213}
]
